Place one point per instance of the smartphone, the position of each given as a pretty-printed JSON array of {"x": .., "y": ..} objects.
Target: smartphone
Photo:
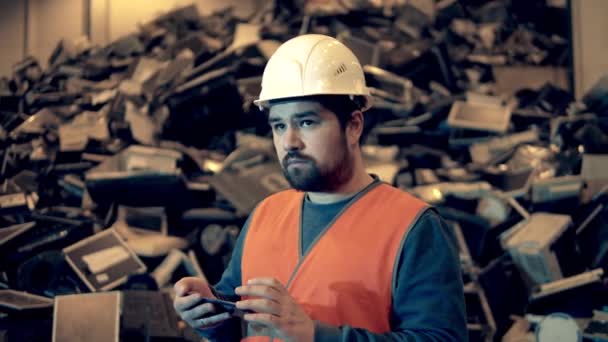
[{"x": 222, "y": 306}]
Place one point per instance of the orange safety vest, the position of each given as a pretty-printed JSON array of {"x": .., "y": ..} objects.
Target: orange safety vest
[{"x": 346, "y": 277}]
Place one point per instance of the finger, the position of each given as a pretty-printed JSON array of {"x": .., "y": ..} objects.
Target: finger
[
  {"x": 260, "y": 305},
  {"x": 198, "y": 312},
  {"x": 186, "y": 302},
  {"x": 209, "y": 321},
  {"x": 264, "y": 319},
  {"x": 264, "y": 291},
  {"x": 190, "y": 284},
  {"x": 272, "y": 282}
]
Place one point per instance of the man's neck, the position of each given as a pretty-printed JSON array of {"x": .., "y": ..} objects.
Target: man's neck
[{"x": 358, "y": 182}]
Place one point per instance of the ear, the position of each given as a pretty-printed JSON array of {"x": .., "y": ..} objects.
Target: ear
[{"x": 354, "y": 128}]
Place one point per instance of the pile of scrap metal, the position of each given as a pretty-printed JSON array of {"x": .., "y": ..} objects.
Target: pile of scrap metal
[{"x": 155, "y": 138}]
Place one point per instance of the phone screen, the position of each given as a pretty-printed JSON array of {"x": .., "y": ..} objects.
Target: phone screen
[{"x": 222, "y": 306}]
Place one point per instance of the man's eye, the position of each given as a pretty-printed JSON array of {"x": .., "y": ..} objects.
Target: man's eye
[
  {"x": 278, "y": 127},
  {"x": 307, "y": 123}
]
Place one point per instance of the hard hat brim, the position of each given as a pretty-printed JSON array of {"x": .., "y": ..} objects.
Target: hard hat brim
[{"x": 265, "y": 103}]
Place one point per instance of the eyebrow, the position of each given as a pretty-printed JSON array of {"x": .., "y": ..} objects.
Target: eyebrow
[{"x": 295, "y": 116}]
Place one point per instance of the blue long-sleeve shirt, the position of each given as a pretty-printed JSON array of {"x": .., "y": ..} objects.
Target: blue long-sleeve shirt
[{"x": 428, "y": 298}]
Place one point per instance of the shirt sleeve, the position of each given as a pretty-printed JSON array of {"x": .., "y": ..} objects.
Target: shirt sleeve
[
  {"x": 428, "y": 294},
  {"x": 231, "y": 279}
]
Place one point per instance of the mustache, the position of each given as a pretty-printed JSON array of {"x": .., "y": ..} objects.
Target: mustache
[{"x": 293, "y": 156}]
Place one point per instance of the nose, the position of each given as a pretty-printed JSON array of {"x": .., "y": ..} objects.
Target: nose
[{"x": 292, "y": 140}]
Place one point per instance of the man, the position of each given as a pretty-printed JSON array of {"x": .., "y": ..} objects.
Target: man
[{"x": 342, "y": 257}]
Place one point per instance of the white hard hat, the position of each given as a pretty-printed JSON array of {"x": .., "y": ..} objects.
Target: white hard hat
[{"x": 312, "y": 64}]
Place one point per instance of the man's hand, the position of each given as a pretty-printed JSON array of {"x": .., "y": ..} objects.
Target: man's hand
[
  {"x": 275, "y": 308},
  {"x": 188, "y": 293}
]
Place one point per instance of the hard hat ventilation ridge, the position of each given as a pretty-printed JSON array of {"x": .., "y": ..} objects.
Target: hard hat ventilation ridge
[{"x": 340, "y": 69}]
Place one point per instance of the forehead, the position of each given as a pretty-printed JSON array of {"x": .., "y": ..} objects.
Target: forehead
[{"x": 288, "y": 110}]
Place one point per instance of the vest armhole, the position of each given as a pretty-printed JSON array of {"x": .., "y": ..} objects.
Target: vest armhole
[
  {"x": 398, "y": 260},
  {"x": 248, "y": 224}
]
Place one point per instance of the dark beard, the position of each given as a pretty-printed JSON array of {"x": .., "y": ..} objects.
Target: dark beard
[{"x": 308, "y": 177}]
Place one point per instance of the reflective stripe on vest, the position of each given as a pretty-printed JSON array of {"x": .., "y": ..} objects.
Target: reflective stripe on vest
[{"x": 346, "y": 276}]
